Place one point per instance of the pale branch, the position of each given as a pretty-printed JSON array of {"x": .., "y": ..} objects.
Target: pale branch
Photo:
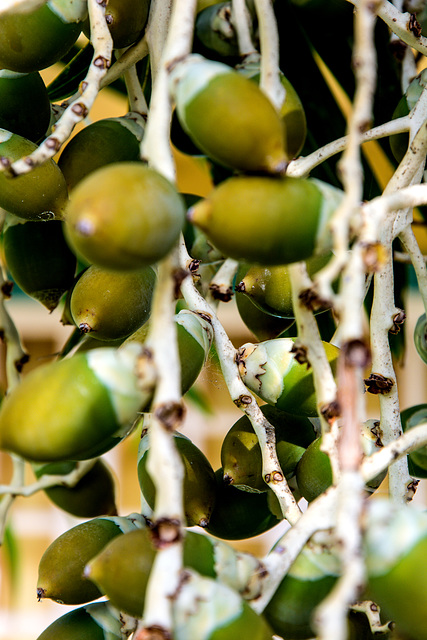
[
  {"x": 17, "y": 480},
  {"x": 130, "y": 57},
  {"x": 221, "y": 285},
  {"x": 417, "y": 259},
  {"x": 157, "y": 31},
  {"x": 137, "y": 101},
  {"x": 269, "y": 42},
  {"x": 242, "y": 23}
]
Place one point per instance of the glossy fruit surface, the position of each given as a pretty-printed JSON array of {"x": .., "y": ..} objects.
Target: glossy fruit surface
[
  {"x": 24, "y": 104},
  {"x": 263, "y": 325},
  {"x": 199, "y": 486},
  {"x": 112, "y": 304},
  {"x": 92, "y": 622},
  {"x": 39, "y": 194},
  {"x": 124, "y": 216},
  {"x": 227, "y": 116},
  {"x": 126, "y": 20},
  {"x": 39, "y": 259},
  {"x": 420, "y": 337},
  {"x": 417, "y": 460},
  {"x": 314, "y": 471},
  {"x": 265, "y": 220},
  {"x": 35, "y": 40},
  {"x": 92, "y": 496}
]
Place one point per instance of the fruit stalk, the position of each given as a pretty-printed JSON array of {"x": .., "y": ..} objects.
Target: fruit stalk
[
  {"x": 269, "y": 40},
  {"x": 47, "y": 481},
  {"x": 242, "y": 21}
]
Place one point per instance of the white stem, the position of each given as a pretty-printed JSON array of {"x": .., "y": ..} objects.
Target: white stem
[
  {"x": 46, "y": 481},
  {"x": 269, "y": 40},
  {"x": 242, "y": 22}
]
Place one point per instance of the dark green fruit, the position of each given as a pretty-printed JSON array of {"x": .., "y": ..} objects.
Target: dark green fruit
[
  {"x": 215, "y": 32},
  {"x": 39, "y": 259},
  {"x": 126, "y": 20},
  {"x": 241, "y": 458},
  {"x": 92, "y": 622},
  {"x": 265, "y": 220},
  {"x": 124, "y": 216},
  {"x": 417, "y": 460},
  {"x": 24, "y": 104},
  {"x": 103, "y": 142},
  {"x": 420, "y": 337},
  {"x": 34, "y": 40},
  {"x": 111, "y": 304},
  {"x": 238, "y": 515},
  {"x": 39, "y": 194},
  {"x": 62, "y": 564},
  {"x": 314, "y": 472},
  {"x": 199, "y": 480},
  {"x": 92, "y": 496},
  {"x": 263, "y": 325}
]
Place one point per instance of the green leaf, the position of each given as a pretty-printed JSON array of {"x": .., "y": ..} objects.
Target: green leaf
[{"x": 67, "y": 82}]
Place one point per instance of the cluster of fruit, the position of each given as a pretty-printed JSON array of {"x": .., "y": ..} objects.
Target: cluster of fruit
[{"x": 87, "y": 232}]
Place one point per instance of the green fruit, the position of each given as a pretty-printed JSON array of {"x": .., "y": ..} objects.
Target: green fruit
[
  {"x": 270, "y": 370},
  {"x": 39, "y": 260},
  {"x": 399, "y": 142},
  {"x": 314, "y": 472},
  {"x": 263, "y": 325},
  {"x": 215, "y": 32},
  {"x": 265, "y": 220},
  {"x": 126, "y": 20},
  {"x": 103, "y": 142},
  {"x": 36, "y": 39},
  {"x": 199, "y": 486},
  {"x": 62, "y": 564},
  {"x": 238, "y": 515},
  {"x": 420, "y": 337},
  {"x": 93, "y": 622},
  {"x": 241, "y": 458},
  {"x": 96, "y": 400},
  {"x": 91, "y": 497},
  {"x": 227, "y": 116},
  {"x": 111, "y": 304},
  {"x": 24, "y": 104},
  {"x": 417, "y": 460},
  {"x": 41, "y": 193},
  {"x": 308, "y": 582},
  {"x": 124, "y": 216},
  {"x": 396, "y": 551}
]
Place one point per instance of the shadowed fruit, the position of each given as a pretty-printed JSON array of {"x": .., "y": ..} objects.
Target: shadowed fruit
[
  {"x": 24, "y": 104},
  {"x": 93, "y": 622}
]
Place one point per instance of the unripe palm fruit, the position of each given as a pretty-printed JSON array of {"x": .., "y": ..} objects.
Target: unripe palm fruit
[
  {"x": 238, "y": 515},
  {"x": 92, "y": 496},
  {"x": 103, "y": 142},
  {"x": 92, "y": 622},
  {"x": 205, "y": 609},
  {"x": 267, "y": 220},
  {"x": 307, "y": 583},
  {"x": 36, "y": 39},
  {"x": 199, "y": 487},
  {"x": 417, "y": 460},
  {"x": 41, "y": 193},
  {"x": 112, "y": 304},
  {"x": 396, "y": 550},
  {"x": 126, "y": 21},
  {"x": 399, "y": 141},
  {"x": 215, "y": 32},
  {"x": 39, "y": 259},
  {"x": 24, "y": 104},
  {"x": 264, "y": 326},
  {"x": 124, "y": 216},
  {"x": 62, "y": 564},
  {"x": 270, "y": 370},
  {"x": 420, "y": 337},
  {"x": 96, "y": 400},
  {"x": 241, "y": 457},
  {"x": 227, "y": 116}
]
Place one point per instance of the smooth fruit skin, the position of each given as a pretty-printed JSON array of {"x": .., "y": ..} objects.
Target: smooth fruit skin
[
  {"x": 263, "y": 325},
  {"x": 35, "y": 40},
  {"x": 37, "y": 195},
  {"x": 110, "y": 305},
  {"x": 420, "y": 337},
  {"x": 24, "y": 104},
  {"x": 269, "y": 221},
  {"x": 124, "y": 216},
  {"x": 85, "y": 623},
  {"x": 314, "y": 471},
  {"x": 39, "y": 259},
  {"x": 227, "y": 116},
  {"x": 126, "y": 20}
]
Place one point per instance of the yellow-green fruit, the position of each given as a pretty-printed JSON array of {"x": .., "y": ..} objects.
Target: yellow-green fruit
[
  {"x": 314, "y": 472},
  {"x": 92, "y": 622},
  {"x": 96, "y": 400},
  {"x": 270, "y": 370},
  {"x": 62, "y": 564},
  {"x": 34, "y": 40},
  {"x": 103, "y": 142},
  {"x": 124, "y": 216},
  {"x": 39, "y": 194},
  {"x": 24, "y": 104},
  {"x": 227, "y": 116},
  {"x": 267, "y": 220},
  {"x": 111, "y": 304},
  {"x": 92, "y": 496},
  {"x": 199, "y": 486}
]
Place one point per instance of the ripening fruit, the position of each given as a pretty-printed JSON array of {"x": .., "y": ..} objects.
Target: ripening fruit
[
  {"x": 39, "y": 259},
  {"x": 92, "y": 622},
  {"x": 420, "y": 337},
  {"x": 270, "y": 370},
  {"x": 417, "y": 460},
  {"x": 39, "y": 194},
  {"x": 267, "y": 220},
  {"x": 124, "y": 216},
  {"x": 24, "y": 104},
  {"x": 92, "y": 496},
  {"x": 199, "y": 488},
  {"x": 227, "y": 116},
  {"x": 34, "y": 40},
  {"x": 73, "y": 409},
  {"x": 241, "y": 458},
  {"x": 103, "y": 142},
  {"x": 112, "y": 304},
  {"x": 62, "y": 564}
]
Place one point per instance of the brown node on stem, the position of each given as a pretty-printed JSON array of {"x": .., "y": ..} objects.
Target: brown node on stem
[
  {"x": 242, "y": 401},
  {"x": 312, "y": 300},
  {"x": 6, "y": 288},
  {"x": 377, "y": 383},
  {"x": 300, "y": 354},
  {"x": 356, "y": 353},
  {"x": 221, "y": 292},
  {"x": 170, "y": 414},
  {"x": 193, "y": 267},
  {"x": 398, "y": 320},
  {"x": 414, "y": 26},
  {"x": 165, "y": 531},
  {"x": 331, "y": 411}
]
